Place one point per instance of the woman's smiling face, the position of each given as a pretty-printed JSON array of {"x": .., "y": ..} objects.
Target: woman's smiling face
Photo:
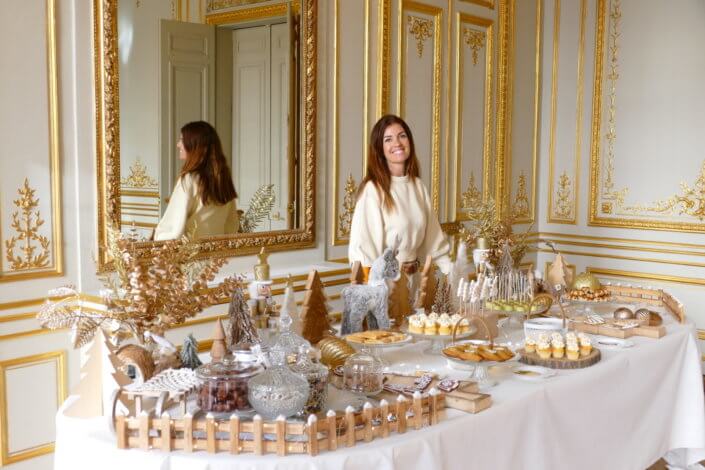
[{"x": 396, "y": 144}]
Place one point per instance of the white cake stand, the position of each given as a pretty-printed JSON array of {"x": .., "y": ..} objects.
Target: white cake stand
[{"x": 438, "y": 342}]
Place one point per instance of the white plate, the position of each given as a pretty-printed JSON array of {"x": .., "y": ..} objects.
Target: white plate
[
  {"x": 606, "y": 342},
  {"x": 532, "y": 373}
]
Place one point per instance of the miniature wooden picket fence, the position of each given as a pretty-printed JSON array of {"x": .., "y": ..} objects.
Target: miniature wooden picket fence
[
  {"x": 656, "y": 297},
  {"x": 330, "y": 432}
]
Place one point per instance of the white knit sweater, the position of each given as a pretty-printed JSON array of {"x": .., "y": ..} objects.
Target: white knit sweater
[
  {"x": 186, "y": 208},
  {"x": 412, "y": 219}
]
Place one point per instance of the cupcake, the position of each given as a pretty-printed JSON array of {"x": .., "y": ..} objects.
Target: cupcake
[
  {"x": 543, "y": 348},
  {"x": 444, "y": 325},
  {"x": 572, "y": 350},
  {"x": 429, "y": 326},
  {"x": 571, "y": 337},
  {"x": 416, "y": 324},
  {"x": 585, "y": 345},
  {"x": 530, "y": 345},
  {"x": 543, "y": 337},
  {"x": 555, "y": 336},
  {"x": 558, "y": 347}
]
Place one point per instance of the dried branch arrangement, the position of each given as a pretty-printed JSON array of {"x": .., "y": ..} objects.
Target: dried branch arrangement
[
  {"x": 142, "y": 296},
  {"x": 260, "y": 206},
  {"x": 498, "y": 231}
]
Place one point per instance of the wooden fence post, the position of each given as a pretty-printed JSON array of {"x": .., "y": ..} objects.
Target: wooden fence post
[
  {"x": 258, "y": 435},
  {"x": 384, "y": 413},
  {"x": 188, "y": 432},
  {"x": 332, "y": 430},
  {"x": 210, "y": 433},
  {"x": 312, "y": 435},
  {"x": 350, "y": 426},
  {"x": 166, "y": 432},
  {"x": 281, "y": 435},
  {"x": 234, "y": 434},
  {"x": 401, "y": 414}
]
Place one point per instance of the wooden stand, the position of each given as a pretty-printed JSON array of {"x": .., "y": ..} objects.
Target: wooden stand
[
  {"x": 464, "y": 398},
  {"x": 533, "y": 359},
  {"x": 604, "y": 330}
]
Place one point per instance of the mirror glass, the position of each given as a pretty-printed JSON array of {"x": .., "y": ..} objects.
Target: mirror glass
[{"x": 239, "y": 73}]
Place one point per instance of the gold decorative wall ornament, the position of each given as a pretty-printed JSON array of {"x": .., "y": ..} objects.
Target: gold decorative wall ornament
[
  {"x": 26, "y": 222},
  {"x": 221, "y": 4},
  {"x": 345, "y": 219},
  {"x": 520, "y": 207},
  {"x": 138, "y": 177},
  {"x": 422, "y": 29},
  {"x": 613, "y": 76},
  {"x": 564, "y": 197},
  {"x": 472, "y": 197},
  {"x": 476, "y": 40}
]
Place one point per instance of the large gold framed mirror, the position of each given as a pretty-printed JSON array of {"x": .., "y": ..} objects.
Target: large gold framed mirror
[{"x": 249, "y": 71}]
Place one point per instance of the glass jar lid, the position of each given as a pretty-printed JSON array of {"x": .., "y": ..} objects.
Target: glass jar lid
[{"x": 230, "y": 367}]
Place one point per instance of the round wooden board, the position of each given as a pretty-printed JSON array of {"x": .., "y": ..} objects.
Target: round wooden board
[{"x": 533, "y": 359}]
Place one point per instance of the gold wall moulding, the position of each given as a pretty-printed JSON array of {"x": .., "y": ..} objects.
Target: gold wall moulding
[
  {"x": 345, "y": 219},
  {"x": 107, "y": 112},
  {"x": 139, "y": 178},
  {"x": 221, "y": 4},
  {"x": 56, "y": 357},
  {"x": 421, "y": 29},
  {"x": 604, "y": 196},
  {"x": 626, "y": 258},
  {"x": 483, "y": 3},
  {"x": 26, "y": 222},
  {"x": 476, "y": 40},
  {"x": 646, "y": 276},
  {"x": 34, "y": 266},
  {"x": 472, "y": 197},
  {"x": 520, "y": 207}
]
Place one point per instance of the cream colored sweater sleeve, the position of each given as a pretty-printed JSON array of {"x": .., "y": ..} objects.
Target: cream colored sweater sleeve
[
  {"x": 435, "y": 241},
  {"x": 367, "y": 228},
  {"x": 232, "y": 223},
  {"x": 181, "y": 205}
]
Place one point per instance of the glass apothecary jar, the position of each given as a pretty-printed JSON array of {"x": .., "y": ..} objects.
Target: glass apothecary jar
[
  {"x": 224, "y": 386},
  {"x": 317, "y": 376},
  {"x": 363, "y": 374},
  {"x": 278, "y": 391}
]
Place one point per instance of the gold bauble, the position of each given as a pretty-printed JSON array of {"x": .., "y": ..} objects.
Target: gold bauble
[
  {"x": 334, "y": 351},
  {"x": 586, "y": 280}
]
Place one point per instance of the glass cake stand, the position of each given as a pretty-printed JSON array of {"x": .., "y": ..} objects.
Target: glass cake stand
[{"x": 438, "y": 342}]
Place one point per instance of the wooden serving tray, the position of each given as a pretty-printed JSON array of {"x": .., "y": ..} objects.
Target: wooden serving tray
[
  {"x": 464, "y": 398},
  {"x": 655, "y": 332},
  {"x": 533, "y": 359}
]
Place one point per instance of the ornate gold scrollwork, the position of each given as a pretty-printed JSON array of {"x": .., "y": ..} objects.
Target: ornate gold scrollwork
[
  {"x": 138, "y": 177},
  {"x": 421, "y": 28},
  {"x": 472, "y": 196},
  {"x": 26, "y": 222},
  {"x": 520, "y": 207},
  {"x": 345, "y": 219},
  {"x": 476, "y": 41},
  {"x": 564, "y": 204}
]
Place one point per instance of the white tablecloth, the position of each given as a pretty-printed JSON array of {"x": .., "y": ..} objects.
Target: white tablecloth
[{"x": 623, "y": 413}]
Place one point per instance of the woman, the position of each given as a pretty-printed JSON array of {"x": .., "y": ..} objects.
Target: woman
[
  {"x": 204, "y": 194},
  {"x": 392, "y": 202}
]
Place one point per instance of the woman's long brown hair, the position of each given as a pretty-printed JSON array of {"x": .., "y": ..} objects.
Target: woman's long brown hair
[
  {"x": 206, "y": 159},
  {"x": 377, "y": 168}
]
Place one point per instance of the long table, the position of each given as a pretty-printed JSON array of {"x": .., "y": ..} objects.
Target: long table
[{"x": 633, "y": 407}]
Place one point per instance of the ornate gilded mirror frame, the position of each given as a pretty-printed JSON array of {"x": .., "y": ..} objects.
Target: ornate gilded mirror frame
[{"x": 108, "y": 144}]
